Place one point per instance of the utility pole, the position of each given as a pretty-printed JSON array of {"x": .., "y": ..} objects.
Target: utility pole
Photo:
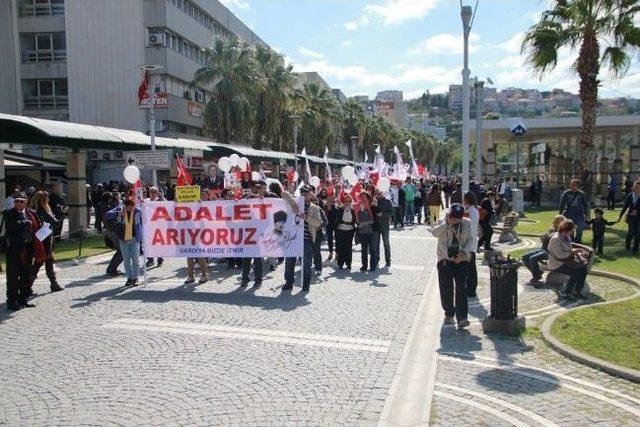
[
  {"x": 466, "y": 14},
  {"x": 479, "y": 100}
]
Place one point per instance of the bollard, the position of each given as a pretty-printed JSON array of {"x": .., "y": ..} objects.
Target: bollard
[
  {"x": 504, "y": 297},
  {"x": 80, "y": 242}
]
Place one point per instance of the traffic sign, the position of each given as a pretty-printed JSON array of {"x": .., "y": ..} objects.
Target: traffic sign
[
  {"x": 149, "y": 160},
  {"x": 518, "y": 129}
]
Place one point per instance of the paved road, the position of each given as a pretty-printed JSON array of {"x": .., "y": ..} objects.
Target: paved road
[
  {"x": 207, "y": 354},
  {"x": 173, "y": 354}
]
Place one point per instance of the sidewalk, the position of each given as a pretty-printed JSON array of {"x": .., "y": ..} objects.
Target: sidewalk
[{"x": 498, "y": 380}]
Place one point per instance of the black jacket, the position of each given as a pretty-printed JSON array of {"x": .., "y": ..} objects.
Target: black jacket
[
  {"x": 634, "y": 209},
  {"x": 18, "y": 232}
]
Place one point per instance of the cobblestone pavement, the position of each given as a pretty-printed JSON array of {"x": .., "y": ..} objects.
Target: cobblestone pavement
[
  {"x": 496, "y": 380},
  {"x": 174, "y": 354}
]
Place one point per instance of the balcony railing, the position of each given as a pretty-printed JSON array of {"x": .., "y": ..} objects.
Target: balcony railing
[
  {"x": 44, "y": 55},
  {"x": 46, "y": 102},
  {"x": 41, "y": 9}
]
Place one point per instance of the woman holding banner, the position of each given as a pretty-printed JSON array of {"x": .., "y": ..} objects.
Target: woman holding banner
[{"x": 205, "y": 195}]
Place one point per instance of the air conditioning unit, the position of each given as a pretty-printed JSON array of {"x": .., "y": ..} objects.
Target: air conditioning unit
[
  {"x": 106, "y": 155},
  {"x": 119, "y": 154},
  {"x": 156, "y": 39},
  {"x": 94, "y": 155}
]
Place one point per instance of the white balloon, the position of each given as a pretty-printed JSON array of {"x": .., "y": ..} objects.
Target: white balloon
[
  {"x": 131, "y": 174},
  {"x": 352, "y": 179},
  {"x": 224, "y": 163},
  {"x": 315, "y": 181},
  {"x": 255, "y": 176},
  {"x": 383, "y": 184},
  {"x": 243, "y": 162},
  {"x": 235, "y": 159},
  {"x": 347, "y": 171}
]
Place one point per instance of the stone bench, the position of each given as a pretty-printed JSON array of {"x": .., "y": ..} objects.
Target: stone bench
[
  {"x": 508, "y": 229},
  {"x": 556, "y": 279}
]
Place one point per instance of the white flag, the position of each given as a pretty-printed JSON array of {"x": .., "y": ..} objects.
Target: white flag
[
  {"x": 398, "y": 155},
  {"x": 410, "y": 145},
  {"x": 378, "y": 150},
  {"x": 366, "y": 157},
  {"x": 306, "y": 164},
  {"x": 326, "y": 164}
]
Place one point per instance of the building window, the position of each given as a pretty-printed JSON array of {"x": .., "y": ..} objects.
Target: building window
[
  {"x": 43, "y": 47},
  {"x": 45, "y": 93},
  {"x": 41, "y": 7}
]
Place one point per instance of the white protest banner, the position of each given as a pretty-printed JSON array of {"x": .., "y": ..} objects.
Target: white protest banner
[{"x": 260, "y": 227}]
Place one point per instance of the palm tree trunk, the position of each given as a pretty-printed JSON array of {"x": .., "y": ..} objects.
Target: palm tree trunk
[{"x": 588, "y": 69}]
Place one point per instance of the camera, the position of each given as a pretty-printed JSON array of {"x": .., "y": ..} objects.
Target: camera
[{"x": 452, "y": 251}]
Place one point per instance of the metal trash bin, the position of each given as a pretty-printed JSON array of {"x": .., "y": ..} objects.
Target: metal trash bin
[{"x": 504, "y": 297}]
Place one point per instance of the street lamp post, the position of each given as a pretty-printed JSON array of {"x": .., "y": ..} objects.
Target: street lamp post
[
  {"x": 295, "y": 118},
  {"x": 466, "y": 14},
  {"x": 152, "y": 118},
  {"x": 479, "y": 100},
  {"x": 352, "y": 140}
]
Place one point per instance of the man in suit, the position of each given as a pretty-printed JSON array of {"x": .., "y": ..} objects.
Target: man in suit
[
  {"x": 20, "y": 222},
  {"x": 213, "y": 181}
]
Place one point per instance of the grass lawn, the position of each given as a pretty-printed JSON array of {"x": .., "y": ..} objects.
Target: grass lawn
[
  {"x": 610, "y": 332},
  {"x": 68, "y": 249},
  {"x": 615, "y": 259}
]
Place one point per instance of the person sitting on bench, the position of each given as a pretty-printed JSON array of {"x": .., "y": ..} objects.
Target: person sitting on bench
[
  {"x": 565, "y": 260},
  {"x": 532, "y": 259}
]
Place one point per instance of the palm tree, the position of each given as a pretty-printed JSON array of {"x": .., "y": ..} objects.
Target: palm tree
[
  {"x": 353, "y": 119},
  {"x": 273, "y": 97},
  {"x": 589, "y": 25},
  {"x": 319, "y": 111},
  {"x": 232, "y": 77}
]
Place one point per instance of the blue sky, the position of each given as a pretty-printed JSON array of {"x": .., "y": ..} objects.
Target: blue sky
[{"x": 363, "y": 47}]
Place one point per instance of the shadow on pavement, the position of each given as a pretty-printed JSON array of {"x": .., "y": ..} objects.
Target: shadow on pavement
[
  {"x": 241, "y": 297},
  {"x": 510, "y": 381}
]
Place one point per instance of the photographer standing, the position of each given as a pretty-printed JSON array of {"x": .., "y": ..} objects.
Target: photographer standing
[{"x": 455, "y": 244}]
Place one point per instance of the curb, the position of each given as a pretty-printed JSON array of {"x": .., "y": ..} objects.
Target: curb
[
  {"x": 84, "y": 260},
  {"x": 577, "y": 356},
  {"x": 410, "y": 396}
]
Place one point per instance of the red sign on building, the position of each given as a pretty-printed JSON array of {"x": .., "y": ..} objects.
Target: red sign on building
[{"x": 161, "y": 101}]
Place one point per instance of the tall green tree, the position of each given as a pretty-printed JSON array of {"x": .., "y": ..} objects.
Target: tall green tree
[
  {"x": 353, "y": 124},
  {"x": 319, "y": 114},
  {"x": 273, "y": 97},
  {"x": 604, "y": 33},
  {"x": 233, "y": 78}
]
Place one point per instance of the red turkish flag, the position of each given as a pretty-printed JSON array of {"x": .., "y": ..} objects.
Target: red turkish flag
[
  {"x": 183, "y": 177},
  {"x": 144, "y": 87}
]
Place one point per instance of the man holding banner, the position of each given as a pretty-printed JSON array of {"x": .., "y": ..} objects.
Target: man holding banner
[{"x": 312, "y": 222}]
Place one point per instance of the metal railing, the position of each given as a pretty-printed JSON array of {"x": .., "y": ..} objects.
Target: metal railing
[
  {"x": 46, "y": 102},
  {"x": 41, "y": 9},
  {"x": 44, "y": 55}
]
